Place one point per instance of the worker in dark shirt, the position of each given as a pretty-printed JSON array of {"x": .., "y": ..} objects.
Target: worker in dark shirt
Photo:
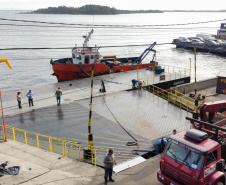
[{"x": 134, "y": 83}]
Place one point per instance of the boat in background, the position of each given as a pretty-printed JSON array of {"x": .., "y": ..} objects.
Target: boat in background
[
  {"x": 83, "y": 58},
  {"x": 205, "y": 42},
  {"x": 221, "y": 33}
]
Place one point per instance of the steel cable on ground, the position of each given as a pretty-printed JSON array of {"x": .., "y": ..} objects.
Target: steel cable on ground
[
  {"x": 129, "y": 143},
  {"x": 99, "y": 142}
]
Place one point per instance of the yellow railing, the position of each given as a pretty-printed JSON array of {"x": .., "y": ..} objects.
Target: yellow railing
[
  {"x": 60, "y": 146},
  {"x": 173, "y": 96},
  {"x": 173, "y": 73}
]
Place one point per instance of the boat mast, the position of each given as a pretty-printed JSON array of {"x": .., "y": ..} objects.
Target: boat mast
[{"x": 87, "y": 38}]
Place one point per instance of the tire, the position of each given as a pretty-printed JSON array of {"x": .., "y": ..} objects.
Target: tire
[
  {"x": 106, "y": 72},
  {"x": 117, "y": 71},
  {"x": 219, "y": 183}
]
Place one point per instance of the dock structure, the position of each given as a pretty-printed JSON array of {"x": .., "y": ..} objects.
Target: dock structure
[
  {"x": 123, "y": 119},
  {"x": 204, "y": 48}
]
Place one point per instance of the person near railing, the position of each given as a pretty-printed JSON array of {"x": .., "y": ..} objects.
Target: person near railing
[{"x": 109, "y": 161}]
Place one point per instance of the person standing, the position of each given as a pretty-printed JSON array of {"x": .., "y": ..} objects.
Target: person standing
[
  {"x": 58, "y": 95},
  {"x": 19, "y": 99},
  {"x": 109, "y": 161},
  {"x": 30, "y": 96}
]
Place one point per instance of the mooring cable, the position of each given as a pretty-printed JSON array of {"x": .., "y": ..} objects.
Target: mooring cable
[{"x": 128, "y": 143}]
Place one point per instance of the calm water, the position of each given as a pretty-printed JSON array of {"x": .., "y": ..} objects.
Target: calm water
[{"x": 32, "y": 67}]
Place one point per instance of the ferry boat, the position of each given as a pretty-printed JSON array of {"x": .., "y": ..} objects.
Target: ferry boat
[
  {"x": 221, "y": 33},
  {"x": 83, "y": 58}
]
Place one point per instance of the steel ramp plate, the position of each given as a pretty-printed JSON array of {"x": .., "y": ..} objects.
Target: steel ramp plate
[{"x": 128, "y": 164}]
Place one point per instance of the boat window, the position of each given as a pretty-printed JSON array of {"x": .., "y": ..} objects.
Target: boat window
[
  {"x": 73, "y": 55},
  {"x": 87, "y": 59},
  {"x": 92, "y": 57},
  {"x": 78, "y": 57}
]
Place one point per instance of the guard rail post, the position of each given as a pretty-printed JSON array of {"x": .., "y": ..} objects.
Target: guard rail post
[
  {"x": 63, "y": 147},
  {"x": 180, "y": 101},
  {"x": 168, "y": 96},
  {"x": 50, "y": 145},
  {"x": 25, "y": 137},
  {"x": 187, "y": 104},
  {"x": 37, "y": 140},
  {"x": 14, "y": 136}
]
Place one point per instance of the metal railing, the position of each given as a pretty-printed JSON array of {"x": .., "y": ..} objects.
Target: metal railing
[
  {"x": 172, "y": 73},
  {"x": 63, "y": 147},
  {"x": 173, "y": 96}
]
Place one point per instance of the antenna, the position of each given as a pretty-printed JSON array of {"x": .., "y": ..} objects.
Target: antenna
[{"x": 93, "y": 21}]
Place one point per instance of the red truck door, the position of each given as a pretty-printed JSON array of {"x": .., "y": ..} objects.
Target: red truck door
[{"x": 210, "y": 166}]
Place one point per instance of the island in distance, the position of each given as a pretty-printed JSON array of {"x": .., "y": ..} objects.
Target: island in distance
[{"x": 89, "y": 10}]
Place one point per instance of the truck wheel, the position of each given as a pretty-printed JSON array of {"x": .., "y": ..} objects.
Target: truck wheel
[{"x": 219, "y": 183}]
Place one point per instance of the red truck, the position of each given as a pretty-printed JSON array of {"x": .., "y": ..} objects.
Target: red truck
[{"x": 196, "y": 156}]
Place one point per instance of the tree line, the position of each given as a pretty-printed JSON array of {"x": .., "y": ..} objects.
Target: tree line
[{"x": 89, "y": 10}]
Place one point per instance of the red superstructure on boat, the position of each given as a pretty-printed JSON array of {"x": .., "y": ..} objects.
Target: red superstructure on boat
[{"x": 80, "y": 65}]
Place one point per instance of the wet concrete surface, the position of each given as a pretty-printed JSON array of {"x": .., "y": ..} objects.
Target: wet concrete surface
[{"x": 117, "y": 118}]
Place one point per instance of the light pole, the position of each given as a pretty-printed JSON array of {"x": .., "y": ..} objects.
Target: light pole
[
  {"x": 3, "y": 120},
  {"x": 89, "y": 152},
  {"x": 196, "y": 116}
]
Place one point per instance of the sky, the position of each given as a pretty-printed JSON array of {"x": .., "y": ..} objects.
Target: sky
[{"x": 118, "y": 4}]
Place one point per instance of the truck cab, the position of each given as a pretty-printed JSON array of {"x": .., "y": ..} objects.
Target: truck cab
[{"x": 190, "y": 157}]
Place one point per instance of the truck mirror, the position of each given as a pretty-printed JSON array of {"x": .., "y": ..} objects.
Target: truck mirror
[{"x": 220, "y": 165}]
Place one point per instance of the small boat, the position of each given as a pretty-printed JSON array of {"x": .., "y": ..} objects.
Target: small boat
[{"x": 83, "y": 58}]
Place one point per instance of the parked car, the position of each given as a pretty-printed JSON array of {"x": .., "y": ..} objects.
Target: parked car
[
  {"x": 220, "y": 42},
  {"x": 200, "y": 38},
  {"x": 183, "y": 39},
  {"x": 211, "y": 43},
  {"x": 206, "y": 36},
  {"x": 197, "y": 42}
]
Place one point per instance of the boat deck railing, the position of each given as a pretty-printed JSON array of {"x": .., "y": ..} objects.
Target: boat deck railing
[{"x": 63, "y": 147}]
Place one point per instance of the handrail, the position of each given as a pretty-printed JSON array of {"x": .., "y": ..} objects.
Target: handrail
[
  {"x": 182, "y": 101},
  {"x": 63, "y": 147}
]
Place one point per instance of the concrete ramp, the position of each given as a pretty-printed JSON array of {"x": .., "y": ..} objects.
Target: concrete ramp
[{"x": 136, "y": 117}]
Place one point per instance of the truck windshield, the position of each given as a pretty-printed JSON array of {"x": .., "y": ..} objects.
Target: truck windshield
[{"x": 184, "y": 154}]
